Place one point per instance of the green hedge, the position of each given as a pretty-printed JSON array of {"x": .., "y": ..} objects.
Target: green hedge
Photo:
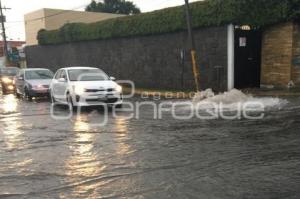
[{"x": 205, "y": 13}]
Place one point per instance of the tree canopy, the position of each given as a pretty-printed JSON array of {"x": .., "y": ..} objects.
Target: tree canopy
[{"x": 113, "y": 6}]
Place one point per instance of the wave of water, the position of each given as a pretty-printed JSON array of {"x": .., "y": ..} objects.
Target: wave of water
[{"x": 235, "y": 99}]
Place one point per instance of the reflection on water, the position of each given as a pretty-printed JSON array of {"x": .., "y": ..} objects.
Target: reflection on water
[
  {"x": 10, "y": 126},
  {"x": 87, "y": 162},
  {"x": 12, "y": 133},
  {"x": 81, "y": 124},
  {"x": 121, "y": 125},
  {"x": 122, "y": 136},
  {"x": 12, "y": 136},
  {"x": 84, "y": 139},
  {"x": 82, "y": 147},
  {"x": 9, "y": 104},
  {"x": 83, "y": 161}
]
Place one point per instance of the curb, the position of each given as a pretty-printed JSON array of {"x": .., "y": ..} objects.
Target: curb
[{"x": 158, "y": 94}]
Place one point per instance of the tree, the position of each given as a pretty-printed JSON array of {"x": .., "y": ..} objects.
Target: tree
[{"x": 113, "y": 6}]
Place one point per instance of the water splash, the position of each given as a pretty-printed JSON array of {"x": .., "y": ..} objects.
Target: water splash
[{"x": 233, "y": 99}]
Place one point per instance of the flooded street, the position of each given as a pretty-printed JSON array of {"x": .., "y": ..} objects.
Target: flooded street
[{"x": 41, "y": 157}]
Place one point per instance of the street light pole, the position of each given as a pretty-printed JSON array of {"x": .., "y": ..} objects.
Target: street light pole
[
  {"x": 3, "y": 30},
  {"x": 192, "y": 45}
]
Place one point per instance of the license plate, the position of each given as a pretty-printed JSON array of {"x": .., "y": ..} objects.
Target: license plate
[
  {"x": 42, "y": 91},
  {"x": 102, "y": 97}
]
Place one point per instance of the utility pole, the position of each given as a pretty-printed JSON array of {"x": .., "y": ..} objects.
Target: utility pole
[
  {"x": 192, "y": 45},
  {"x": 2, "y": 18}
]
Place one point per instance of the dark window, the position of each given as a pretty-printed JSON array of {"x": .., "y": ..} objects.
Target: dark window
[
  {"x": 57, "y": 76},
  {"x": 63, "y": 75},
  {"x": 87, "y": 75},
  {"x": 38, "y": 74}
]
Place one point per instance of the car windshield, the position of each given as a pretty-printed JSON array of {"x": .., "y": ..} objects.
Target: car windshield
[
  {"x": 9, "y": 71},
  {"x": 87, "y": 75},
  {"x": 38, "y": 74}
]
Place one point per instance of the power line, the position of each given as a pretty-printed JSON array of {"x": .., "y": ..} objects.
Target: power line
[
  {"x": 14, "y": 21},
  {"x": 49, "y": 16},
  {"x": 73, "y": 9},
  {"x": 56, "y": 14}
]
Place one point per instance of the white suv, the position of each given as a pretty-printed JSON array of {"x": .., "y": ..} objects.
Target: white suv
[{"x": 85, "y": 86}]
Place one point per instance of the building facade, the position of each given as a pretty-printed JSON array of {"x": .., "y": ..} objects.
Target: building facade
[
  {"x": 51, "y": 19},
  {"x": 13, "y": 51},
  {"x": 10, "y": 46}
]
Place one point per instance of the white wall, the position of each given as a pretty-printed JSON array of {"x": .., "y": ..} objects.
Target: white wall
[{"x": 230, "y": 55}]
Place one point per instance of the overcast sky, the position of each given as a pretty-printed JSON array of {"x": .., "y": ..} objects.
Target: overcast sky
[{"x": 15, "y": 16}]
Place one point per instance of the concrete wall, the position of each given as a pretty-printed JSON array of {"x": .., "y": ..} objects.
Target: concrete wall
[
  {"x": 151, "y": 62},
  {"x": 51, "y": 19},
  {"x": 33, "y": 25}
]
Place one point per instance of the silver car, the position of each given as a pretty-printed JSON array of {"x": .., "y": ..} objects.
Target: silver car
[{"x": 33, "y": 82}]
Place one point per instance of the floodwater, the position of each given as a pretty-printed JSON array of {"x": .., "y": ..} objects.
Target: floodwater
[{"x": 41, "y": 157}]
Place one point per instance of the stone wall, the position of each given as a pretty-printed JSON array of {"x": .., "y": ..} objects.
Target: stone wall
[
  {"x": 296, "y": 55},
  {"x": 281, "y": 55},
  {"x": 277, "y": 50},
  {"x": 150, "y": 61}
]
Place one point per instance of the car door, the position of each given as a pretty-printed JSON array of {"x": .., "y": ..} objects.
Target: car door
[
  {"x": 59, "y": 85},
  {"x": 63, "y": 85}
]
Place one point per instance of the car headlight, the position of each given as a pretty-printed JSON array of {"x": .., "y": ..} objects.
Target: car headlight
[
  {"x": 119, "y": 89},
  {"x": 78, "y": 90},
  {"x": 6, "y": 80},
  {"x": 10, "y": 87}
]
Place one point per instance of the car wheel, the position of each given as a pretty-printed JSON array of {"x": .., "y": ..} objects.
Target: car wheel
[
  {"x": 70, "y": 101},
  {"x": 27, "y": 95},
  {"x": 4, "y": 92},
  {"x": 17, "y": 95},
  {"x": 119, "y": 106},
  {"x": 52, "y": 97}
]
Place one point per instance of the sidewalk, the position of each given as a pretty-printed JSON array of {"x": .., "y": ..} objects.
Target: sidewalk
[
  {"x": 157, "y": 93},
  {"x": 169, "y": 94},
  {"x": 273, "y": 92}
]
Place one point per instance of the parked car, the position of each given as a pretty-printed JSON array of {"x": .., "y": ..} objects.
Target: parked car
[
  {"x": 33, "y": 82},
  {"x": 7, "y": 75},
  {"x": 85, "y": 86}
]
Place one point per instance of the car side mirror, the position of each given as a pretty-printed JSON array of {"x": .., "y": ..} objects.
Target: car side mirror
[
  {"x": 112, "y": 78},
  {"x": 20, "y": 78},
  {"x": 62, "y": 80}
]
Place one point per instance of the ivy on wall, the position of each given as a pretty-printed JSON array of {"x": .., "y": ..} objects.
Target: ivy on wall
[{"x": 257, "y": 13}]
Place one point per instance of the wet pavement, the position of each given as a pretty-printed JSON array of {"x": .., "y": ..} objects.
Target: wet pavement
[{"x": 41, "y": 157}]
